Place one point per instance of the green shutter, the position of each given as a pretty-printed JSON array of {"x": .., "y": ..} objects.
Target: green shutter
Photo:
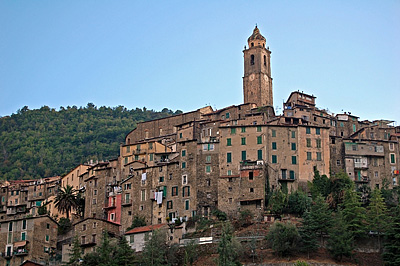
[
  {"x": 244, "y": 156},
  {"x": 294, "y": 160},
  {"x": 259, "y": 140},
  {"x": 228, "y": 142},
  {"x": 274, "y": 145},
  {"x": 259, "y": 155},
  {"x": 274, "y": 159},
  {"x": 229, "y": 157},
  {"x": 293, "y": 146},
  {"x": 165, "y": 191}
]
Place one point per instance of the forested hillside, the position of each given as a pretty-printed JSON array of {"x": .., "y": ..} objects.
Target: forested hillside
[{"x": 46, "y": 142}]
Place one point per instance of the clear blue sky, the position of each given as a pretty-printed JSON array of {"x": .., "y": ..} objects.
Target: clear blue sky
[{"x": 188, "y": 54}]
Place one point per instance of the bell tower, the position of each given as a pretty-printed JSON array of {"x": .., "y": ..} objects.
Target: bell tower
[{"x": 257, "y": 81}]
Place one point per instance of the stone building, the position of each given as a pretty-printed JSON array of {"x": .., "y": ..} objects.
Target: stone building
[{"x": 28, "y": 238}]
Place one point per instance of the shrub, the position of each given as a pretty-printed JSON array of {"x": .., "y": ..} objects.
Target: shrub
[{"x": 283, "y": 238}]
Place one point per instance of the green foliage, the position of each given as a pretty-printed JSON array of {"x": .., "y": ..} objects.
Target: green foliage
[
  {"x": 320, "y": 186},
  {"x": 283, "y": 238},
  {"x": 190, "y": 253},
  {"x": 277, "y": 202},
  {"x": 137, "y": 221},
  {"x": 45, "y": 142},
  {"x": 42, "y": 210},
  {"x": 301, "y": 263},
  {"x": 391, "y": 251},
  {"x": 76, "y": 252},
  {"x": 321, "y": 217},
  {"x": 246, "y": 217},
  {"x": 308, "y": 234},
  {"x": 377, "y": 215},
  {"x": 64, "y": 225},
  {"x": 338, "y": 185},
  {"x": 340, "y": 242},
  {"x": 155, "y": 250},
  {"x": 124, "y": 255},
  {"x": 221, "y": 216},
  {"x": 202, "y": 223},
  {"x": 228, "y": 248},
  {"x": 298, "y": 202},
  {"x": 354, "y": 214}
]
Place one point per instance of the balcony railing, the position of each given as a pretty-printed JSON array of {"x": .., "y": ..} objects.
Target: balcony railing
[
  {"x": 110, "y": 205},
  {"x": 127, "y": 202},
  {"x": 362, "y": 179},
  {"x": 21, "y": 252},
  {"x": 292, "y": 179}
]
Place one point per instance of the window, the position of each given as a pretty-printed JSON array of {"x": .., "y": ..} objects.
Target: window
[
  {"x": 259, "y": 129},
  {"x": 186, "y": 204},
  {"x": 259, "y": 140},
  {"x": 308, "y": 130},
  {"x": 126, "y": 160},
  {"x": 319, "y": 156},
  {"x": 94, "y": 201},
  {"x": 292, "y": 174},
  {"x": 23, "y": 236},
  {"x": 143, "y": 195},
  {"x": 112, "y": 216},
  {"x": 47, "y": 238},
  {"x": 208, "y": 158},
  {"x": 318, "y": 131},
  {"x": 244, "y": 156},
  {"x": 94, "y": 225},
  {"x": 169, "y": 204},
  {"x": 229, "y": 157},
  {"x": 174, "y": 191},
  {"x": 274, "y": 159},
  {"x": 337, "y": 162},
  {"x": 180, "y": 135},
  {"x": 127, "y": 186},
  {"x": 252, "y": 59},
  {"x": 161, "y": 179},
  {"x": 274, "y": 145},
  {"x": 23, "y": 224},
  {"x": 273, "y": 133},
  {"x": 95, "y": 192},
  {"x": 243, "y": 141},
  {"x": 47, "y": 226},
  {"x": 128, "y": 149},
  {"x": 243, "y": 129},
  {"x": 265, "y": 60},
  {"x": 228, "y": 142},
  {"x": 391, "y": 146},
  {"x": 392, "y": 158},
  {"x": 233, "y": 130},
  {"x": 354, "y": 128},
  {"x": 132, "y": 239},
  {"x": 259, "y": 155},
  {"x": 318, "y": 143},
  {"x": 183, "y": 153},
  {"x": 341, "y": 124},
  {"x": 294, "y": 160},
  {"x": 184, "y": 179},
  {"x": 251, "y": 190},
  {"x": 93, "y": 238},
  {"x": 229, "y": 172},
  {"x": 376, "y": 174},
  {"x": 183, "y": 165},
  {"x": 83, "y": 240},
  {"x": 208, "y": 168},
  {"x": 293, "y": 134},
  {"x": 308, "y": 142},
  {"x": 283, "y": 173},
  {"x": 186, "y": 191},
  {"x": 309, "y": 156},
  {"x": 227, "y": 115},
  {"x": 293, "y": 146}
]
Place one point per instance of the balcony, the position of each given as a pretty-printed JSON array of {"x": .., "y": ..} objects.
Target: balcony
[
  {"x": 285, "y": 179},
  {"x": 127, "y": 202},
  {"x": 21, "y": 252},
  {"x": 361, "y": 179},
  {"x": 110, "y": 206},
  {"x": 89, "y": 244},
  {"x": 251, "y": 165},
  {"x": 3, "y": 208},
  {"x": 11, "y": 211},
  {"x": 8, "y": 255}
]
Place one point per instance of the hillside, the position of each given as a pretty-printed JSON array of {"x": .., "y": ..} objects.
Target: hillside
[{"x": 45, "y": 142}]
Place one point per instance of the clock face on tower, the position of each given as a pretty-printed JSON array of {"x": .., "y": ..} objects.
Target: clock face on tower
[
  {"x": 265, "y": 77},
  {"x": 251, "y": 77}
]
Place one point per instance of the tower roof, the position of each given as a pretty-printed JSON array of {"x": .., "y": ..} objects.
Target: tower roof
[{"x": 256, "y": 35}]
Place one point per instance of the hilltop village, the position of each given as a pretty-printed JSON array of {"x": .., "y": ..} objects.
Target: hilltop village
[{"x": 193, "y": 163}]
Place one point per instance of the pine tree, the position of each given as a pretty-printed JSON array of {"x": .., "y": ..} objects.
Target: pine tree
[
  {"x": 354, "y": 214},
  {"x": 154, "y": 252},
  {"x": 340, "y": 242},
  {"x": 308, "y": 235},
  {"x": 228, "y": 247},
  {"x": 106, "y": 251},
  {"x": 124, "y": 255},
  {"x": 283, "y": 238},
  {"x": 76, "y": 252},
  {"x": 377, "y": 216},
  {"x": 322, "y": 217},
  {"x": 391, "y": 252}
]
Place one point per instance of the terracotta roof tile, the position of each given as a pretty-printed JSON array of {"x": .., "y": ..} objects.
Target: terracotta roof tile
[{"x": 144, "y": 229}]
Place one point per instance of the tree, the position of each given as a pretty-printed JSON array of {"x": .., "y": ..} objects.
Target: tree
[
  {"x": 298, "y": 202},
  {"x": 190, "y": 253},
  {"x": 277, "y": 202},
  {"x": 66, "y": 200},
  {"x": 106, "y": 251},
  {"x": 338, "y": 185},
  {"x": 283, "y": 238},
  {"x": 308, "y": 234},
  {"x": 64, "y": 225},
  {"x": 228, "y": 247},
  {"x": 155, "y": 250},
  {"x": 124, "y": 255},
  {"x": 137, "y": 221},
  {"x": 76, "y": 252},
  {"x": 377, "y": 216},
  {"x": 319, "y": 185},
  {"x": 321, "y": 217},
  {"x": 354, "y": 214},
  {"x": 391, "y": 251},
  {"x": 340, "y": 242}
]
